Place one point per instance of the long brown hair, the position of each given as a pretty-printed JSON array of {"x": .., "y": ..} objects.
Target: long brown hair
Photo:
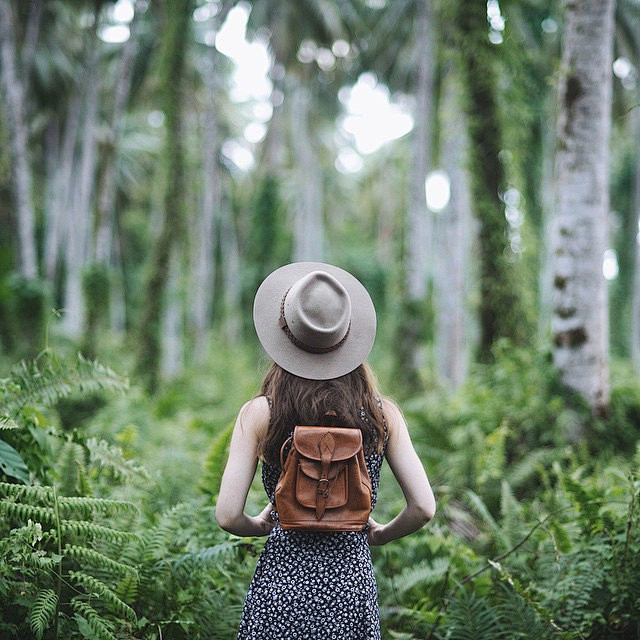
[{"x": 298, "y": 401}]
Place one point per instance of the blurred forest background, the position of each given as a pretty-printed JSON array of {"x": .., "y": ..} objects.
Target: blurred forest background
[{"x": 474, "y": 163}]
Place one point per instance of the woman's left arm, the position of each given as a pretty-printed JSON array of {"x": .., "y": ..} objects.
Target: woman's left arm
[{"x": 251, "y": 423}]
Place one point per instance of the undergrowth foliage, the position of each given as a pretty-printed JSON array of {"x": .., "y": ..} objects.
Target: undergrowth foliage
[{"x": 59, "y": 551}]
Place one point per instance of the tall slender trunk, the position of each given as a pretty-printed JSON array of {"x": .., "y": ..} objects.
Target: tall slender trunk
[
  {"x": 580, "y": 315},
  {"x": 500, "y": 310},
  {"x": 172, "y": 330},
  {"x": 635, "y": 287},
  {"x": 177, "y": 14},
  {"x": 419, "y": 227},
  {"x": 106, "y": 190},
  {"x": 308, "y": 225},
  {"x": 31, "y": 36},
  {"x": 60, "y": 176},
  {"x": 452, "y": 245},
  {"x": 420, "y": 220},
  {"x": 14, "y": 91},
  {"x": 204, "y": 236},
  {"x": 231, "y": 276},
  {"x": 79, "y": 229}
]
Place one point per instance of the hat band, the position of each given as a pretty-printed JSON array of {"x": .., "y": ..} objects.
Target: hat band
[{"x": 299, "y": 343}]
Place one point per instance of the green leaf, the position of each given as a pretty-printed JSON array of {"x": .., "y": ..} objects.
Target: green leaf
[{"x": 12, "y": 464}]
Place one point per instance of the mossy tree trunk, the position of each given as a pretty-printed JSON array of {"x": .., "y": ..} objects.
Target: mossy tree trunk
[
  {"x": 580, "y": 229},
  {"x": 177, "y": 16},
  {"x": 500, "y": 310}
]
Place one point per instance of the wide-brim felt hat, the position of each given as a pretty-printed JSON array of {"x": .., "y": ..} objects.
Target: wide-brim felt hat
[{"x": 315, "y": 320}]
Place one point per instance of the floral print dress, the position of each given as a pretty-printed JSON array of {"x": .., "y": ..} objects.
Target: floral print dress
[{"x": 313, "y": 586}]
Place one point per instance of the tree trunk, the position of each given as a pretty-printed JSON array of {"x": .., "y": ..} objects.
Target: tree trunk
[
  {"x": 14, "y": 91},
  {"x": 31, "y": 36},
  {"x": 635, "y": 287},
  {"x": 580, "y": 323},
  {"x": 79, "y": 229},
  {"x": 172, "y": 330},
  {"x": 308, "y": 244},
  {"x": 452, "y": 246},
  {"x": 500, "y": 311},
  {"x": 203, "y": 269},
  {"x": 106, "y": 191},
  {"x": 420, "y": 220},
  {"x": 419, "y": 228},
  {"x": 177, "y": 14},
  {"x": 232, "y": 280}
]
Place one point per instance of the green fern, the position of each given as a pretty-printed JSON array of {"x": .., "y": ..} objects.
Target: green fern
[
  {"x": 96, "y": 587},
  {"x": 108, "y": 456},
  {"x": 98, "y": 625},
  {"x": 424, "y": 574},
  {"x": 98, "y": 560},
  {"x": 45, "y": 380},
  {"x": 43, "y": 611},
  {"x": 65, "y": 534},
  {"x": 470, "y": 617},
  {"x": 215, "y": 462}
]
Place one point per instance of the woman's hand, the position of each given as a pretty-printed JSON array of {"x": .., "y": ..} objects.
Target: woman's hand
[
  {"x": 264, "y": 522},
  {"x": 374, "y": 533}
]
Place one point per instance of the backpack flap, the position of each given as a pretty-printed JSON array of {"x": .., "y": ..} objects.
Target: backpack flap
[{"x": 347, "y": 442}]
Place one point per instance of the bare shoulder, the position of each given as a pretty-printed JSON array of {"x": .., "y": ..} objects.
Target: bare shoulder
[
  {"x": 255, "y": 415},
  {"x": 393, "y": 415}
]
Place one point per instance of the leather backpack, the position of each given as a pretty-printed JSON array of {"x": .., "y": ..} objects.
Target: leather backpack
[{"x": 324, "y": 484}]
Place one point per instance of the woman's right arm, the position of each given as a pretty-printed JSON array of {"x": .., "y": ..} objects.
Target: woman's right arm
[
  {"x": 239, "y": 471},
  {"x": 411, "y": 476}
]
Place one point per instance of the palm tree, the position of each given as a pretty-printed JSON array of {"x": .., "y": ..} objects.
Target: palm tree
[
  {"x": 14, "y": 92},
  {"x": 580, "y": 323},
  {"x": 177, "y": 18},
  {"x": 500, "y": 310}
]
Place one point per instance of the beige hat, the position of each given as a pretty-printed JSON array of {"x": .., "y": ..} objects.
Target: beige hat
[{"x": 315, "y": 320}]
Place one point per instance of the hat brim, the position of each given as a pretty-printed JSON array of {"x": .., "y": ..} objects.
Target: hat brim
[{"x": 313, "y": 366}]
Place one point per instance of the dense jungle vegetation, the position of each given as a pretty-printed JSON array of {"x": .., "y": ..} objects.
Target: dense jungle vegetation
[{"x": 147, "y": 187}]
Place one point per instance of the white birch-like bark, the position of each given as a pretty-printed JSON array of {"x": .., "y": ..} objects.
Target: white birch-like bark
[
  {"x": 231, "y": 275},
  {"x": 308, "y": 224},
  {"x": 106, "y": 192},
  {"x": 79, "y": 230},
  {"x": 172, "y": 363},
  {"x": 14, "y": 91},
  {"x": 420, "y": 222},
  {"x": 203, "y": 268},
  {"x": 635, "y": 292},
  {"x": 452, "y": 231},
  {"x": 60, "y": 171},
  {"x": 580, "y": 314}
]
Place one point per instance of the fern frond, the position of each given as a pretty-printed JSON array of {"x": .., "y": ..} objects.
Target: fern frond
[
  {"x": 26, "y": 492},
  {"x": 424, "y": 573},
  {"x": 100, "y": 589},
  {"x": 7, "y": 422},
  {"x": 214, "y": 462},
  {"x": 96, "y": 622},
  {"x": 92, "y": 530},
  {"x": 127, "y": 587},
  {"x": 86, "y": 506},
  {"x": 206, "y": 557},
  {"x": 43, "y": 611},
  {"x": 46, "y": 380},
  {"x": 470, "y": 618},
  {"x": 111, "y": 457},
  {"x": 70, "y": 467},
  {"x": 96, "y": 559},
  {"x": 23, "y": 512}
]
